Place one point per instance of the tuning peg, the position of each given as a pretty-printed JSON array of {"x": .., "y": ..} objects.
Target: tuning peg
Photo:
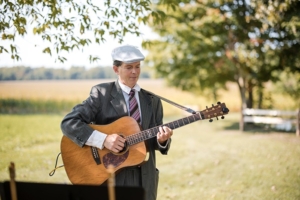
[
  {"x": 222, "y": 117},
  {"x": 218, "y": 102},
  {"x": 217, "y": 118},
  {"x": 210, "y": 120}
]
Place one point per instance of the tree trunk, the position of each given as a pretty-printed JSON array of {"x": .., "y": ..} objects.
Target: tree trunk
[
  {"x": 242, "y": 89},
  {"x": 250, "y": 95},
  {"x": 260, "y": 97}
]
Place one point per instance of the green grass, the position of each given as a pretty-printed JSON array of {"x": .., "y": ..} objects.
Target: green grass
[
  {"x": 206, "y": 160},
  {"x": 32, "y": 142},
  {"x": 26, "y": 106}
]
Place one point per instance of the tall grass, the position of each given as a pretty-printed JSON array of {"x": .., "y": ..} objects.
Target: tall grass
[
  {"x": 26, "y": 106},
  {"x": 23, "y": 96},
  {"x": 18, "y": 95}
]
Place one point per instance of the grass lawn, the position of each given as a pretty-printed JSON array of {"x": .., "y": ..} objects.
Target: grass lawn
[{"x": 206, "y": 160}]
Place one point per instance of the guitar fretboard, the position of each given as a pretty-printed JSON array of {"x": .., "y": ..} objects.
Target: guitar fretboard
[{"x": 152, "y": 132}]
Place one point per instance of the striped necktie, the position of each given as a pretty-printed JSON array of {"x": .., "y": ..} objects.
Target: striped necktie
[{"x": 134, "y": 107}]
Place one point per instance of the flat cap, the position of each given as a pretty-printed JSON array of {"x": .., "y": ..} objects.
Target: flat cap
[{"x": 127, "y": 54}]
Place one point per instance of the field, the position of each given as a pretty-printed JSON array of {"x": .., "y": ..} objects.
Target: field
[
  {"x": 74, "y": 92},
  {"x": 206, "y": 160}
]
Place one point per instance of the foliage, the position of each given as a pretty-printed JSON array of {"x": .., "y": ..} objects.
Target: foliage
[
  {"x": 208, "y": 43},
  {"x": 65, "y": 25},
  {"x": 289, "y": 84}
]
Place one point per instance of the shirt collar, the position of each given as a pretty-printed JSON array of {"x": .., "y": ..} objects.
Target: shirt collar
[{"x": 127, "y": 89}]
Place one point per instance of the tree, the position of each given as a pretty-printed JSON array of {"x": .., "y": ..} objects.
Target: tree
[
  {"x": 66, "y": 24},
  {"x": 205, "y": 44}
]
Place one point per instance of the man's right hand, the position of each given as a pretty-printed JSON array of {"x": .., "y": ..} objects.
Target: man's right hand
[{"x": 114, "y": 142}]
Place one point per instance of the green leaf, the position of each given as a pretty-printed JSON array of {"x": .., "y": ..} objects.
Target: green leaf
[{"x": 47, "y": 50}]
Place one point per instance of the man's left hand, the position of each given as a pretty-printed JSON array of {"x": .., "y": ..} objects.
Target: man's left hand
[{"x": 164, "y": 134}]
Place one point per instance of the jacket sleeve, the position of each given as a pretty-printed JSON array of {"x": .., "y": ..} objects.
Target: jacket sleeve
[{"x": 75, "y": 124}]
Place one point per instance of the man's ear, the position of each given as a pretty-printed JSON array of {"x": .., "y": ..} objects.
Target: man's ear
[{"x": 116, "y": 69}]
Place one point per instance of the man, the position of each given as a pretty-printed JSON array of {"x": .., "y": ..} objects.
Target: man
[{"x": 110, "y": 101}]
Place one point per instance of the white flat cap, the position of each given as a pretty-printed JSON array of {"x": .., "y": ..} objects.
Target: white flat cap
[{"x": 127, "y": 54}]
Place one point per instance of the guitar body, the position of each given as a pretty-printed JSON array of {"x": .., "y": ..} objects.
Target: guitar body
[{"x": 80, "y": 164}]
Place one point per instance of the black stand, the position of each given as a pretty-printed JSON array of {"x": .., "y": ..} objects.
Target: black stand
[{"x": 49, "y": 191}]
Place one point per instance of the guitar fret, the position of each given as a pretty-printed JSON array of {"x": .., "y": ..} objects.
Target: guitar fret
[
  {"x": 146, "y": 133},
  {"x": 143, "y": 135},
  {"x": 128, "y": 139},
  {"x": 136, "y": 138},
  {"x": 185, "y": 120},
  {"x": 170, "y": 125},
  {"x": 167, "y": 125},
  {"x": 188, "y": 118},
  {"x": 173, "y": 125},
  {"x": 191, "y": 118},
  {"x": 197, "y": 116},
  {"x": 176, "y": 125},
  {"x": 133, "y": 138},
  {"x": 155, "y": 130},
  {"x": 182, "y": 123}
]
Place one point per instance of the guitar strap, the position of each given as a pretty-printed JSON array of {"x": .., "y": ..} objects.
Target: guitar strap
[{"x": 171, "y": 102}]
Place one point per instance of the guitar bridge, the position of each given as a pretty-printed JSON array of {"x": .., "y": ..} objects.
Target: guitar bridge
[{"x": 96, "y": 155}]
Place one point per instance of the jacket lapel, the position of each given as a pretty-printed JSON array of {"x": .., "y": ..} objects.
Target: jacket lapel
[{"x": 118, "y": 101}]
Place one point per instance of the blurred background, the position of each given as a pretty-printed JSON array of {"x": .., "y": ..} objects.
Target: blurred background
[{"x": 242, "y": 53}]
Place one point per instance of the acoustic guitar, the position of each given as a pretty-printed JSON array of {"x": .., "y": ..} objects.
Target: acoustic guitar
[{"x": 88, "y": 165}]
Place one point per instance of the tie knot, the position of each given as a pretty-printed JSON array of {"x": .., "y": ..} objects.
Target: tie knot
[{"x": 131, "y": 93}]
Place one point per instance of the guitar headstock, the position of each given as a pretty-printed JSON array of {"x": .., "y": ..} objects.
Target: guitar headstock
[{"x": 215, "y": 111}]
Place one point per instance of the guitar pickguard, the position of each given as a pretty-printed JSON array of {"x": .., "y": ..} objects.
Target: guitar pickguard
[{"x": 113, "y": 159}]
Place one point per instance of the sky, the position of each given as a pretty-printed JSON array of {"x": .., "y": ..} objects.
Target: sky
[{"x": 30, "y": 50}]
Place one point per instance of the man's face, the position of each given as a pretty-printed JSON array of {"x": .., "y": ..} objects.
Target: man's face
[{"x": 128, "y": 73}]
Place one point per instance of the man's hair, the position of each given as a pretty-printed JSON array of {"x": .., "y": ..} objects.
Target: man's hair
[{"x": 117, "y": 63}]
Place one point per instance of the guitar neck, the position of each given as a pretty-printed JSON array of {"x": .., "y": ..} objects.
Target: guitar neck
[{"x": 152, "y": 132}]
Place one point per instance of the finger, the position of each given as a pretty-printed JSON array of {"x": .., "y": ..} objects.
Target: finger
[
  {"x": 159, "y": 135},
  {"x": 118, "y": 148},
  {"x": 121, "y": 145},
  {"x": 121, "y": 139},
  {"x": 115, "y": 150},
  {"x": 167, "y": 129},
  {"x": 160, "y": 129}
]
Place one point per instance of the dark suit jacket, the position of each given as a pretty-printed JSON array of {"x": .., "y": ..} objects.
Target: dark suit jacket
[{"x": 106, "y": 104}]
